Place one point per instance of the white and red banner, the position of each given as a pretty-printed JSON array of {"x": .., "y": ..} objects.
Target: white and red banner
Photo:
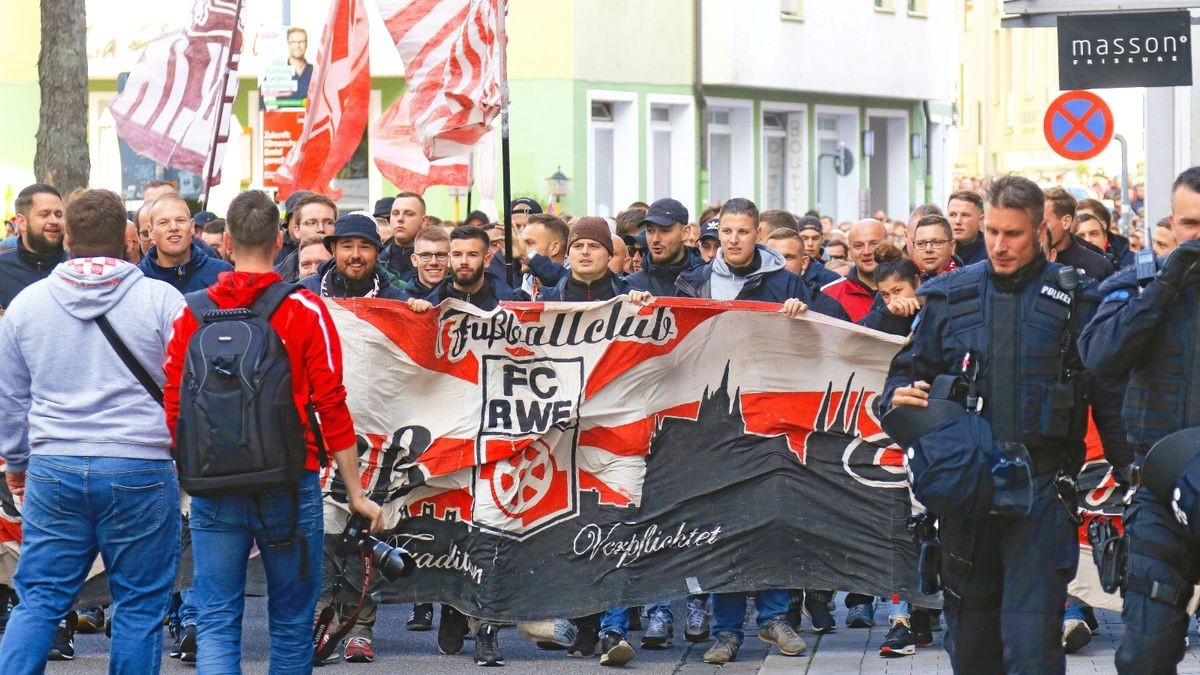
[
  {"x": 610, "y": 453},
  {"x": 339, "y": 98},
  {"x": 177, "y": 103},
  {"x": 454, "y": 65}
]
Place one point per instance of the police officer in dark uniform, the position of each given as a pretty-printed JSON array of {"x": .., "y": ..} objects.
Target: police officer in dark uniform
[
  {"x": 1011, "y": 322},
  {"x": 1148, "y": 326}
]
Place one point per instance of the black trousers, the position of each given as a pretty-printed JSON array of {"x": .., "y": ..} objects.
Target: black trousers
[
  {"x": 1155, "y": 630},
  {"x": 1005, "y": 587}
]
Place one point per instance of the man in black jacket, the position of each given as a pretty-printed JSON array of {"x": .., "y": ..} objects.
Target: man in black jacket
[
  {"x": 668, "y": 258},
  {"x": 41, "y": 227},
  {"x": 354, "y": 271}
]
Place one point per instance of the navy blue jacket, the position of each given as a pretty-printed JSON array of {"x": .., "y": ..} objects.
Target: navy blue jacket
[
  {"x": 973, "y": 253},
  {"x": 558, "y": 292},
  {"x": 1150, "y": 336},
  {"x": 399, "y": 260},
  {"x": 21, "y": 267},
  {"x": 817, "y": 275},
  {"x": 328, "y": 282},
  {"x": 965, "y": 310},
  {"x": 489, "y": 297},
  {"x": 660, "y": 279},
  {"x": 880, "y": 318},
  {"x": 198, "y": 273},
  {"x": 774, "y": 286}
]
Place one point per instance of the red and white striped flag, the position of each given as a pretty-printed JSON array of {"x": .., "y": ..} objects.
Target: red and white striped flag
[
  {"x": 339, "y": 95},
  {"x": 177, "y": 102},
  {"x": 454, "y": 63}
]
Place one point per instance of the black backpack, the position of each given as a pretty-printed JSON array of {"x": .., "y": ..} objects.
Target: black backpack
[{"x": 239, "y": 431}]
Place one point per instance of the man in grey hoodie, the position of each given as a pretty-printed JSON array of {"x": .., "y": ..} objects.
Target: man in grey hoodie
[{"x": 86, "y": 446}]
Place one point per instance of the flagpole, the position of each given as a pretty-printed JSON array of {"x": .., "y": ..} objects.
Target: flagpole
[
  {"x": 509, "y": 263},
  {"x": 212, "y": 151}
]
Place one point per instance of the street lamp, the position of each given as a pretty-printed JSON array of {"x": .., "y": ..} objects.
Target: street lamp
[{"x": 558, "y": 184}]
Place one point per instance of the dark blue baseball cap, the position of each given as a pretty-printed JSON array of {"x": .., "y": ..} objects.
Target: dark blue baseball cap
[
  {"x": 709, "y": 229},
  {"x": 665, "y": 213},
  {"x": 383, "y": 207},
  {"x": 354, "y": 224},
  {"x": 203, "y": 218}
]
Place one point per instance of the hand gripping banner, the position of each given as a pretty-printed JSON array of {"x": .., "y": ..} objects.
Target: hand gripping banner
[{"x": 558, "y": 458}]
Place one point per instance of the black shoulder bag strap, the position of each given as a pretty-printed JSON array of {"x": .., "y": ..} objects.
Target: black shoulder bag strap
[{"x": 129, "y": 359}]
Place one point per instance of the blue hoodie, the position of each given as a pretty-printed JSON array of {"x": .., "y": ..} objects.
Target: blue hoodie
[
  {"x": 63, "y": 389},
  {"x": 199, "y": 272}
]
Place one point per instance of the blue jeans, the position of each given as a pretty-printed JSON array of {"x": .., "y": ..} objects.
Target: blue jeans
[
  {"x": 612, "y": 620},
  {"x": 223, "y": 530},
  {"x": 183, "y": 612},
  {"x": 127, "y": 510},
  {"x": 729, "y": 610}
]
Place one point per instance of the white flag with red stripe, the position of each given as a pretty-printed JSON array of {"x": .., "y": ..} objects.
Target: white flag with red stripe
[
  {"x": 339, "y": 95},
  {"x": 454, "y": 61},
  {"x": 176, "y": 106}
]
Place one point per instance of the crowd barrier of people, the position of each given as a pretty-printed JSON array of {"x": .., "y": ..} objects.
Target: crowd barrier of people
[{"x": 1027, "y": 311}]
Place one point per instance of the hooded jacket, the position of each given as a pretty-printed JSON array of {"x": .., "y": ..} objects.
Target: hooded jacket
[
  {"x": 660, "y": 279},
  {"x": 21, "y": 267},
  {"x": 855, "y": 297},
  {"x": 399, "y": 260},
  {"x": 63, "y": 389},
  {"x": 199, "y": 272},
  {"x": 768, "y": 282},
  {"x": 330, "y": 283},
  {"x": 313, "y": 348},
  {"x": 817, "y": 275}
]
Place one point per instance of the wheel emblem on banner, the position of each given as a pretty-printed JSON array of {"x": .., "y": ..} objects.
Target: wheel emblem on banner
[
  {"x": 521, "y": 481},
  {"x": 1078, "y": 125}
]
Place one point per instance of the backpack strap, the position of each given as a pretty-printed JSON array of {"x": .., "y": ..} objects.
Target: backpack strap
[
  {"x": 270, "y": 299},
  {"x": 130, "y": 361},
  {"x": 200, "y": 305}
]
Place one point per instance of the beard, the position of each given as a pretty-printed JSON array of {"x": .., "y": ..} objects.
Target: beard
[
  {"x": 40, "y": 245},
  {"x": 468, "y": 278}
]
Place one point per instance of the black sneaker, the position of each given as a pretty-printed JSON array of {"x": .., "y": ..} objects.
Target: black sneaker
[
  {"x": 899, "y": 641},
  {"x": 421, "y": 618},
  {"x": 487, "y": 646},
  {"x": 176, "y": 633},
  {"x": 615, "y": 650},
  {"x": 187, "y": 644},
  {"x": 63, "y": 647},
  {"x": 922, "y": 627},
  {"x": 452, "y": 628},
  {"x": 586, "y": 638},
  {"x": 817, "y": 609}
]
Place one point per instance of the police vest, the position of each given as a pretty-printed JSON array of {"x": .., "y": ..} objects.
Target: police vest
[
  {"x": 1164, "y": 393},
  {"x": 1018, "y": 340}
]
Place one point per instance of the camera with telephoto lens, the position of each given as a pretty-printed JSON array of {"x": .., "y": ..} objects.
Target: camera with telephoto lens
[{"x": 393, "y": 562}]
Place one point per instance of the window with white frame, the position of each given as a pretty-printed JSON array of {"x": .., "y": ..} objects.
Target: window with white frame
[
  {"x": 730, "y": 152},
  {"x": 612, "y": 141},
  {"x": 603, "y": 131},
  {"x": 774, "y": 134},
  {"x": 660, "y": 147},
  {"x": 670, "y": 148}
]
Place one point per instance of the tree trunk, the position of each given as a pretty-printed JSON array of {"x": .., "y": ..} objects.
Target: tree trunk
[{"x": 62, "y": 157}]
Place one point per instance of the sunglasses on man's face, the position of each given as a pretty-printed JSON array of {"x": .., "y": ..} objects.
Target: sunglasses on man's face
[{"x": 524, "y": 210}]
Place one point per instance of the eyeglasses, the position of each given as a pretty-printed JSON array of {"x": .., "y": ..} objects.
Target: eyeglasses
[
  {"x": 426, "y": 257},
  {"x": 314, "y": 223},
  {"x": 930, "y": 244}
]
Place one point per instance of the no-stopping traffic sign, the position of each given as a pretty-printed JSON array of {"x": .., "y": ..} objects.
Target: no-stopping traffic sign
[{"x": 1078, "y": 125}]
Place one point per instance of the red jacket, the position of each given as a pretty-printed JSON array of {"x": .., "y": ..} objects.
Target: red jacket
[
  {"x": 853, "y": 295},
  {"x": 313, "y": 348}
]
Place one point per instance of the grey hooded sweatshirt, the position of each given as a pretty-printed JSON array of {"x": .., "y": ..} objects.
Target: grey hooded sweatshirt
[{"x": 63, "y": 390}]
